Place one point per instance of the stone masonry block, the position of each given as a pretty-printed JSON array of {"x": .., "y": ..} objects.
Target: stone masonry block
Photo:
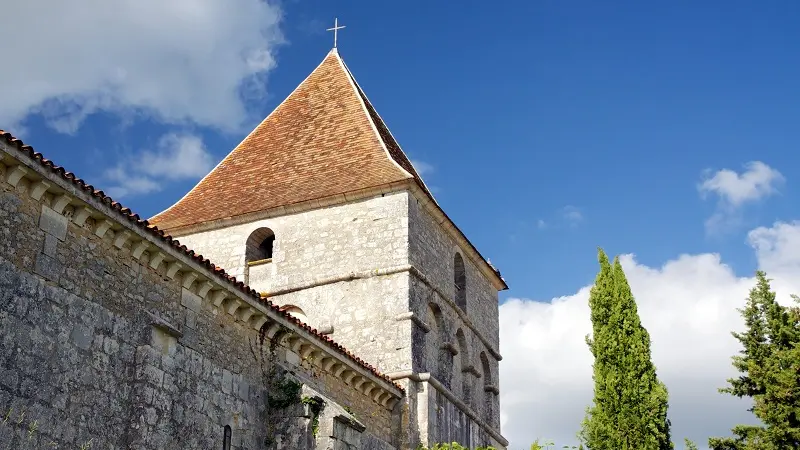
[
  {"x": 50, "y": 245},
  {"x": 191, "y": 300},
  {"x": 53, "y": 223},
  {"x": 107, "y": 342},
  {"x": 82, "y": 336},
  {"x": 47, "y": 267}
]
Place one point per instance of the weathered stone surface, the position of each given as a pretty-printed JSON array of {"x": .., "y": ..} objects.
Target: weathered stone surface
[
  {"x": 97, "y": 346},
  {"x": 48, "y": 267},
  {"x": 53, "y": 223},
  {"x": 50, "y": 245},
  {"x": 347, "y": 267}
]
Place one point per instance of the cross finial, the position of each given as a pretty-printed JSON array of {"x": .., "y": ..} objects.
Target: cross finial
[{"x": 335, "y": 30}]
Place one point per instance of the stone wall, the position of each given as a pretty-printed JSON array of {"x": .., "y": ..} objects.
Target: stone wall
[
  {"x": 96, "y": 347},
  {"x": 336, "y": 265},
  {"x": 449, "y": 423},
  {"x": 102, "y": 343},
  {"x": 363, "y": 235},
  {"x": 377, "y": 274},
  {"x": 461, "y": 348}
]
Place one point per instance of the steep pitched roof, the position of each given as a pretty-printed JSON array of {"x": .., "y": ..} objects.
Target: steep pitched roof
[{"x": 324, "y": 139}]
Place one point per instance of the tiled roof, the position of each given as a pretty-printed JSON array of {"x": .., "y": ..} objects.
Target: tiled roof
[
  {"x": 125, "y": 214},
  {"x": 324, "y": 139}
]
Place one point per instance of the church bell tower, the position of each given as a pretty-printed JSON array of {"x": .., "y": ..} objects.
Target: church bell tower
[{"x": 321, "y": 211}]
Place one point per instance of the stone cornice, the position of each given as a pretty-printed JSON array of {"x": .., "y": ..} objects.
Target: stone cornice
[
  {"x": 408, "y": 315},
  {"x": 430, "y": 379},
  {"x": 294, "y": 208},
  {"x": 439, "y": 216},
  {"x": 292, "y": 337},
  {"x": 61, "y": 193}
]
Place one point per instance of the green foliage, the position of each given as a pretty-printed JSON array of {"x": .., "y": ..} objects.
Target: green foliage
[
  {"x": 547, "y": 445},
  {"x": 768, "y": 363},
  {"x": 689, "y": 444},
  {"x": 284, "y": 392},
  {"x": 550, "y": 445},
  {"x": 537, "y": 445},
  {"x": 316, "y": 405},
  {"x": 452, "y": 446},
  {"x": 629, "y": 411}
]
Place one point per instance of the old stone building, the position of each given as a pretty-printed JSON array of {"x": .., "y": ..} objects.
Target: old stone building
[{"x": 335, "y": 305}]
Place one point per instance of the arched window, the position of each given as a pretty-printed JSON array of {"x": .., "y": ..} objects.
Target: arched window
[
  {"x": 460, "y": 282},
  {"x": 488, "y": 398},
  {"x": 439, "y": 360},
  {"x": 295, "y": 312},
  {"x": 260, "y": 245},
  {"x": 226, "y": 438}
]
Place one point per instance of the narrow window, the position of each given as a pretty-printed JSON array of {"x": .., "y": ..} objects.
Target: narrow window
[
  {"x": 460, "y": 282},
  {"x": 463, "y": 349},
  {"x": 437, "y": 357},
  {"x": 226, "y": 438},
  {"x": 260, "y": 245},
  {"x": 487, "y": 385}
]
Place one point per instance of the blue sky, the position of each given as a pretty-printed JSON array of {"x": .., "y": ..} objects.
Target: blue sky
[
  {"x": 546, "y": 128},
  {"x": 614, "y": 110}
]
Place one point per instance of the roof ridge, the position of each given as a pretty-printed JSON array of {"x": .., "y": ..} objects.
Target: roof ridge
[
  {"x": 274, "y": 110},
  {"x": 386, "y": 137},
  {"x": 134, "y": 218},
  {"x": 321, "y": 140}
]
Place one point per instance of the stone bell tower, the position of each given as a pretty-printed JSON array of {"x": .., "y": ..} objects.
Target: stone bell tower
[{"x": 320, "y": 210}]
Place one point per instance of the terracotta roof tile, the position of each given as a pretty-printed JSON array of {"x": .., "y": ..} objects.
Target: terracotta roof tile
[
  {"x": 323, "y": 140},
  {"x": 126, "y": 214}
]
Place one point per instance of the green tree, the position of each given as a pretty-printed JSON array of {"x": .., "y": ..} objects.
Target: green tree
[
  {"x": 629, "y": 411},
  {"x": 769, "y": 364}
]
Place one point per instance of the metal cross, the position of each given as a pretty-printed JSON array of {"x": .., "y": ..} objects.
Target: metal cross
[{"x": 335, "y": 30}]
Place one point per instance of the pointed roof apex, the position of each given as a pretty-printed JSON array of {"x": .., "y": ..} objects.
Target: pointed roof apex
[
  {"x": 335, "y": 30},
  {"x": 324, "y": 139}
]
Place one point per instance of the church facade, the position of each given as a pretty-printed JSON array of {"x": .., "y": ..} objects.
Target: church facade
[{"x": 321, "y": 244}]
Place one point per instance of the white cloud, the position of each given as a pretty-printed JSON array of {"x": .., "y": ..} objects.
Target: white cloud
[
  {"x": 569, "y": 216},
  {"x": 778, "y": 248},
  {"x": 733, "y": 190},
  {"x": 572, "y": 215},
  {"x": 756, "y": 182},
  {"x": 177, "y": 157},
  {"x": 176, "y": 60},
  {"x": 422, "y": 167},
  {"x": 689, "y": 307}
]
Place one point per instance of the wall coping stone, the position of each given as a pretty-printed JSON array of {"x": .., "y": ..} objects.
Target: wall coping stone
[
  {"x": 408, "y": 185},
  {"x": 164, "y": 326},
  {"x": 351, "y": 422}
]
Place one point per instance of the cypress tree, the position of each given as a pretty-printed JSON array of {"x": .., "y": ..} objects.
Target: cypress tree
[
  {"x": 769, "y": 364},
  {"x": 629, "y": 411}
]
